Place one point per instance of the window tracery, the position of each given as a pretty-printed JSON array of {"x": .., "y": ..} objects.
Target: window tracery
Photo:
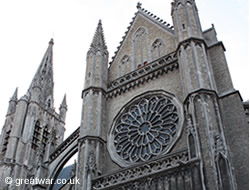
[
  {"x": 124, "y": 65},
  {"x": 146, "y": 128},
  {"x": 158, "y": 49},
  {"x": 36, "y": 136},
  {"x": 45, "y": 137}
]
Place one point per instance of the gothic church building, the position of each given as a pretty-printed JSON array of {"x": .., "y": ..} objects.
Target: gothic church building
[{"x": 162, "y": 114}]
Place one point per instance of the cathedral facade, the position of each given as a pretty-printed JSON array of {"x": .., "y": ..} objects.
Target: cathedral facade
[{"x": 162, "y": 114}]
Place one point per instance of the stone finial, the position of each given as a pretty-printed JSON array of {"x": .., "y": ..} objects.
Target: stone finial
[
  {"x": 138, "y": 6},
  {"x": 51, "y": 42}
]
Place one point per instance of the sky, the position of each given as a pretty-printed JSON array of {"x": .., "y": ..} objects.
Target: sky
[{"x": 28, "y": 25}]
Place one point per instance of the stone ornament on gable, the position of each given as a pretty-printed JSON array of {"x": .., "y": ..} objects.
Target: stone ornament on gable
[{"x": 145, "y": 128}]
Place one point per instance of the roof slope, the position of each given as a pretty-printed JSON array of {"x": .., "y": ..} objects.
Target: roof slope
[{"x": 155, "y": 19}]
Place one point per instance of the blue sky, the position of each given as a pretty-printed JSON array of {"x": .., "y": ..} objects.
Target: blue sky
[{"x": 28, "y": 25}]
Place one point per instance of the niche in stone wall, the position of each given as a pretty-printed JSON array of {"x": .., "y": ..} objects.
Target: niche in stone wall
[{"x": 224, "y": 176}]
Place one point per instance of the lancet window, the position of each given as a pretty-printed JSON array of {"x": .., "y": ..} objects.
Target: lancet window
[
  {"x": 6, "y": 141},
  {"x": 124, "y": 65},
  {"x": 45, "y": 137},
  {"x": 158, "y": 49},
  {"x": 36, "y": 135},
  {"x": 140, "y": 47}
]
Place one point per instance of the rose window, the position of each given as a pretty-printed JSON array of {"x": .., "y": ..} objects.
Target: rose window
[{"x": 145, "y": 129}]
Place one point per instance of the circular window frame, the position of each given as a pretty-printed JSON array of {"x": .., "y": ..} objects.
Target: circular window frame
[{"x": 110, "y": 143}]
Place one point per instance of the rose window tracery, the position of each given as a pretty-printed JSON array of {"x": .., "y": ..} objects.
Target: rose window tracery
[{"x": 146, "y": 128}]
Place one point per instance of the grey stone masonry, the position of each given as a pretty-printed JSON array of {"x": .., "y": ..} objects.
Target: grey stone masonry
[{"x": 162, "y": 115}]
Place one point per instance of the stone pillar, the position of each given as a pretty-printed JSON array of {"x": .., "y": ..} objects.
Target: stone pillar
[{"x": 206, "y": 138}]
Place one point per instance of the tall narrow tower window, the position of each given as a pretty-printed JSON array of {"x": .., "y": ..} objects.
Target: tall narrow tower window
[
  {"x": 45, "y": 137},
  {"x": 6, "y": 141},
  {"x": 36, "y": 136},
  {"x": 54, "y": 137}
]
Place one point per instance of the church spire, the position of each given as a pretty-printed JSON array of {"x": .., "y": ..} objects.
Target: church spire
[
  {"x": 98, "y": 42},
  {"x": 97, "y": 58},
  {"x": 41, "y": 87},
  {"x": 63, "y": 108}
]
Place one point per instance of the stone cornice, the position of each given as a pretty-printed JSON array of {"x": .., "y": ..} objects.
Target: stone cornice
[
  {"x": 199, "y": 40},
  {"x": 219, "y": 43},
  {"x": 144, "y": 74},
  {"x": 94, "y": 89},
  {"x": 50, "y": 111},
  {"x": 91, "y": 137},
  {"x": 202, "y": 90},
  {"x": 156, "y": 166},
  {"x": 189, "y": 40}
]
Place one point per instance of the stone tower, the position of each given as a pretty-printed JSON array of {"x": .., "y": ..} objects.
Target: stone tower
[
  {"x": 32, "y": 129},
  {"x": 92, "y": 131},
  {"x": 172, "y": 115},
  {"x": 163, "y": 114}
]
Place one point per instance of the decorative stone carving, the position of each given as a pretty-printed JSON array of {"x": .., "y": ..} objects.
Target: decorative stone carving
[
  {"x": 219, "y": 145},
  {"x": 190, "y": 126},
  {"x": 146, "y": 128},
  {"x": 144, "y": 74},
  {"x": 144, "y": 175},
  {"x": 91, "y": 164}
]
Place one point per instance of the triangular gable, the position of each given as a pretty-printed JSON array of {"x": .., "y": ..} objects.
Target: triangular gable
[{"x": 147, "y": 15}]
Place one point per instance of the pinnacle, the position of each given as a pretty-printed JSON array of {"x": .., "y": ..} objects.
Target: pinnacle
[
  {"x": 51, "y": 42},
  {"x": 98, "y": 40},
  {"x": 14, "y": 96},
  {"x": 64, "y": 103}
]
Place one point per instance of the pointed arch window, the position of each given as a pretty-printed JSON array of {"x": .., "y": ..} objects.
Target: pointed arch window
[
  {"x": 45, "y": 137},
  {"x": 48, "y": 102},
  {"x": 140, "y": 46},
  {"x": 158, "y": 49},
  {"x": 124, "y": 65},
  {"x": 54, "y": 137},
  {"x": 191, "y": 143},
  {"x": 224, "y": 175},
  {"x": 6, "y": 140},
  {"x": 36, "y": 135}
]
